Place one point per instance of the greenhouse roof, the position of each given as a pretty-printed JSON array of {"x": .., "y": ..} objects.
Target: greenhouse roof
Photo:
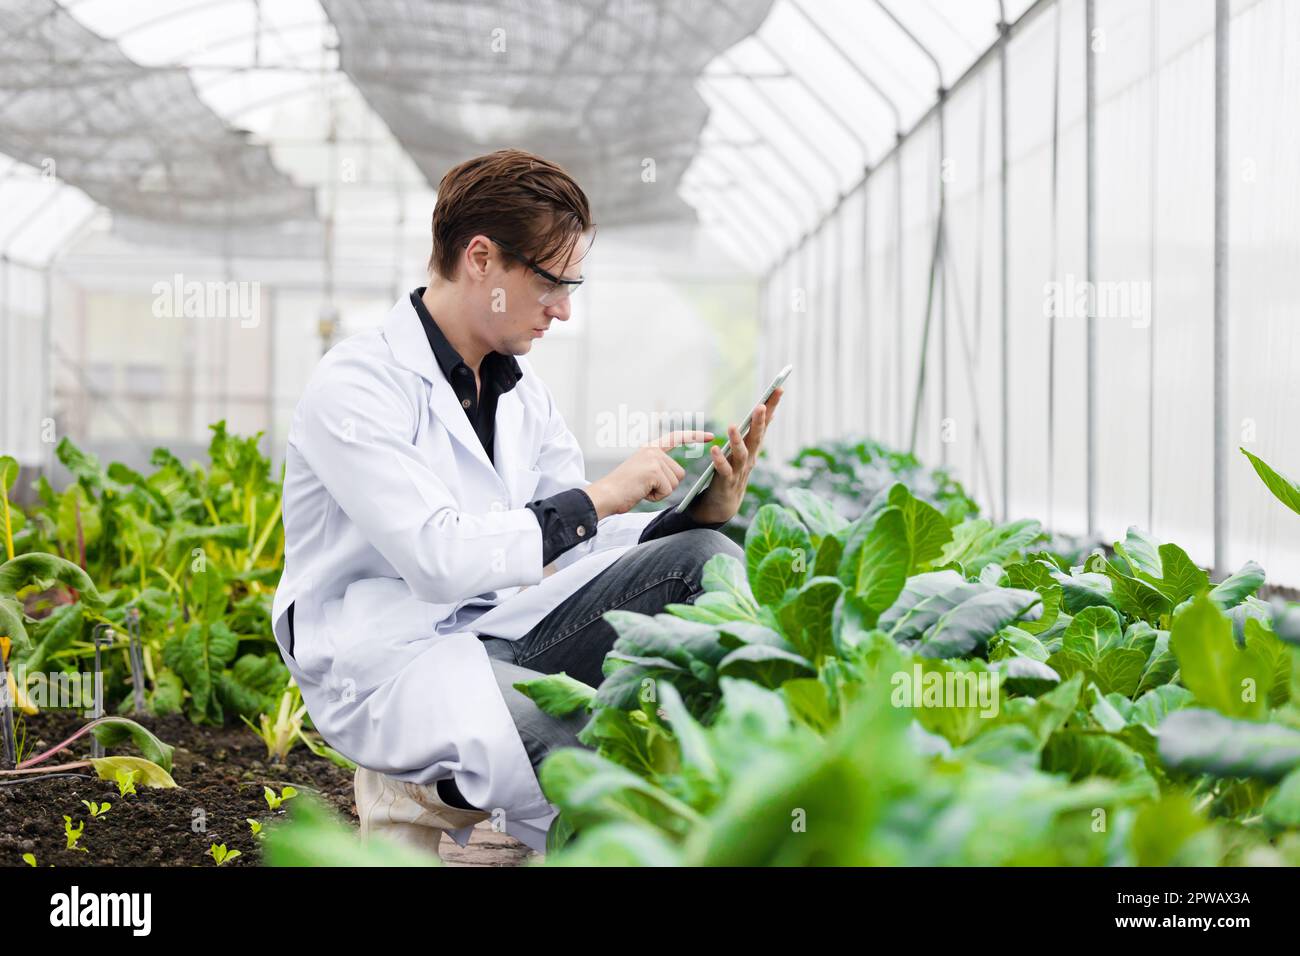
[{"x": 198, "y": 119}]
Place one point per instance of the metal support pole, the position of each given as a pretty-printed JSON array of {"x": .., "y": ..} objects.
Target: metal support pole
[
  {"x": 944, "y": 409},
  {"x": 1221, "y": 14},
  {"x": 1004, "y": 34},
  {"x": 1091, "y": 389},
  {"x": 869, "y": 425},
  {"x": 1152, "y": 194},
  {"x": 898, "y": 290}
]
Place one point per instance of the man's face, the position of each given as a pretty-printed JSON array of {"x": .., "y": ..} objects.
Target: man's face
[{"x": 515, "y": 319}]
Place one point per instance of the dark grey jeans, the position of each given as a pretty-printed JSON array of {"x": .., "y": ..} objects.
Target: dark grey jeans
[{"x": 574, "y": 638}]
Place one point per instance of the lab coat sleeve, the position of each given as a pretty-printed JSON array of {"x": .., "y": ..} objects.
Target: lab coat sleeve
[
  {"x": 561, "y": 466},
  {"x": 356, "y": 425}
]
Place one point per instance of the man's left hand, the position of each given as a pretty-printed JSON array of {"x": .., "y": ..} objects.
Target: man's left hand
[{"x": 721, "y": 500}]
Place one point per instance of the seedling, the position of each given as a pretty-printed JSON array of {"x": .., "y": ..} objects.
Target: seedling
[
  {"x": 29, "y": 859},
  {"x": 279, "y": 735},
  {"x": 73, "y": 833},
  {"x": 126, "y": 782},
  {"x": 272, "y": 801},
  {"x": 219, "y": 853},
  {"x": 97, "y": 809},
  {"x": 255, "y": 826}
]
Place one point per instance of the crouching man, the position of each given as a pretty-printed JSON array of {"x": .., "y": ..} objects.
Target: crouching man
[{"x": 441, "y": 538}]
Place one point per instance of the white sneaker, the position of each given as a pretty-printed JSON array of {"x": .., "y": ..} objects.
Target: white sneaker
[{"x": 411, "y": 814}]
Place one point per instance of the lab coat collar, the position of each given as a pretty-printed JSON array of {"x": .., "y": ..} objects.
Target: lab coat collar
[{"x": 405, "y": 337}]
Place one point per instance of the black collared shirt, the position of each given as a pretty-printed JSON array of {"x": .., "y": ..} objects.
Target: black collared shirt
[{"x": 567, "y": 518}]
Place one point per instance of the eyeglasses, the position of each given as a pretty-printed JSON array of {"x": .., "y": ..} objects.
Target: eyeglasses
[{"x": 559, "y": 288}]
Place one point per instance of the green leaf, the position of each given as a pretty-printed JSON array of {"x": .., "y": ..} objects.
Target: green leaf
[
  {"x": 557, "y": 694},
  {"x": 1084, "y": 590},
  {"x": 1275, "y": 658},
  {"x": 54, "y": 633},
  {"x": 1141, "y": 552},
  {"x": 8, "y": 473},
  {"x": 807, "y": 618},
  {"x": 146, "y": 771},
  {"x": 874, "y": 566},
  {"x": 968, "y": 626},
  {"x": 111, "y": 731},
  {"x": 1182, "y": 578},
  {"x": 83, "y": 465},
  {"x": 594, "y": 790},
  {"x": 947, "y": 616},
  {"x": 1160, "y": 666},
  {"x": 253, "y": 686},
  {"x": 1048, "y": 713},
  {"x": 1283, "y": 488},
  {"x": 976, "y": 542},
  {"x": 77, "y": 506},
  {"x": 1024, "y": 675},
  {"x": 777, "y": 573},
  {"x": 829, "y": 554},
  {"x": 821, "y": 519},
  {"x": 1169, "y": 832},
  {"x": 1079, "y": 755},
  {"x": 11, "y": 624},
  {"x": 809, "y": 702},
  {"x": 168, "y": 694},
  {"x": 723, "y": 574},
  {"x": 1093, "y": 645},
  {"x": 1135, "y": 597},
  {"x": 43, "y": 570},
  {"x": 775, "y": 527},
  {"x": 1221, "y": 675},
  {"x": 765, "y": 665},
  {"x": 1202, "y": 741},
  {"x": 1238, "y": 587},
  {"x": 690, "y": 736},
  {"x": 926, "y": 531},
  {"x": 1283, "y": 807},
  {"x": 317, "y": 836},
  {"x": 1154, "y": 706}
]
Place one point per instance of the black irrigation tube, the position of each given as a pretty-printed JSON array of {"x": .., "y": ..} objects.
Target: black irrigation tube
[{"x": 42, "y": 777}]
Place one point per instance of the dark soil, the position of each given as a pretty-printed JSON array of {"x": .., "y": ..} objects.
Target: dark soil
[{"x": 220, "y": 775}]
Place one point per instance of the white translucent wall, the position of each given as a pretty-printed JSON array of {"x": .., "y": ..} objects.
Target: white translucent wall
[
  {"x": 1264, "y": 253},
  {"x": 1154, "y": 220},
  {"x": 663, "y": 326}
]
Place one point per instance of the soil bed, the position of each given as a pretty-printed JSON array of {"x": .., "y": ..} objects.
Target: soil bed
[{"x": 220, "y": 774}]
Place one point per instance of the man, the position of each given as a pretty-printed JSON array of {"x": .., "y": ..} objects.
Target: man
[{"x": 441, "y": 539}]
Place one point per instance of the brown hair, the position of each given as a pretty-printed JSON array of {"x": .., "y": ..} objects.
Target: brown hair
[{"x": 523, "y": 200}]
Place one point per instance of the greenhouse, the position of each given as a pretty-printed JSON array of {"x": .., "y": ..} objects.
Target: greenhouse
[{"x": 872, "y": 447}]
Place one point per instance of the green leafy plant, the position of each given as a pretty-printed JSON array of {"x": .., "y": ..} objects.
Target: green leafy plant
[
  {"x": 280, "y": 733},
  {"x": 314, "y": 835},
  {"x": 255, "y": 826},
  {"x": 125, "y": 779},
  {"x": 274, "y": 800},
  {"x": 1137, "y": 712},
  {"x": 221, "y": 855},
  {"x": 29, "y": 859},
  {"x": 97, "y": 809},
  {"x": 73, "y": 834}
]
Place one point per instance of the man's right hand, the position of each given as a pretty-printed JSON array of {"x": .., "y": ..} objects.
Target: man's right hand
[{"x": 649, "y": 474}]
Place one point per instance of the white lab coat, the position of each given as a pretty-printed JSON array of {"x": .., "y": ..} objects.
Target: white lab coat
[{"x": 399, "y": 534}]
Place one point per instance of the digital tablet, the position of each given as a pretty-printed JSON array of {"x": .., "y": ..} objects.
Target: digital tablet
[{"x": 704, "y": 479}]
